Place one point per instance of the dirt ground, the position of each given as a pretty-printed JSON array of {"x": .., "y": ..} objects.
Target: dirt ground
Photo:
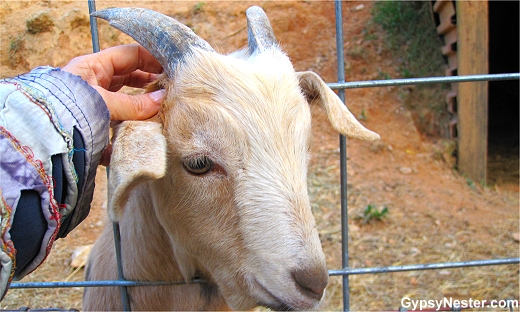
[{"x": 435, "y": 214}]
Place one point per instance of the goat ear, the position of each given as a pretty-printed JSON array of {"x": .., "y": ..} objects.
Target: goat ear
[
  {"x": 138, "y": 155},
  {"x": 317, "y": 91}
]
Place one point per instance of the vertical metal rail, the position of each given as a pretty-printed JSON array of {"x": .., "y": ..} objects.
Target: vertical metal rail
[
  {"x": 343, "y": 158},
  {"x": 93, "y": 26},
  {"x": 125, "y": 299}
]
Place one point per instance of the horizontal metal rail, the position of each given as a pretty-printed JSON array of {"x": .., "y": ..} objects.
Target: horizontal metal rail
[
  {"x": 427, "y": 266},
  {"x": 348, "y": 271},
  {"x": 105, "y": 283},
  {"x": 415, "y": 81}
]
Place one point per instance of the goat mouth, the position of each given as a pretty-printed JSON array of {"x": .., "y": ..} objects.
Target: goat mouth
[
  {"x": 282, "y": 307},
  {"x": 277, "y": 304}
]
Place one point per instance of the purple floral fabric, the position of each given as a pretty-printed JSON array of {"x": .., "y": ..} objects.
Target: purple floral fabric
[{"x": 39, "y": 112}]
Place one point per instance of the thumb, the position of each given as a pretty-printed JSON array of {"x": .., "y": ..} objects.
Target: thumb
[{"x": 132, "y": 107}]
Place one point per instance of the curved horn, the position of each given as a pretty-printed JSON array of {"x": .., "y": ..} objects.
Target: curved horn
[
  {"x": 260, "y": 35},
  {"x": 165, "y": 38}
]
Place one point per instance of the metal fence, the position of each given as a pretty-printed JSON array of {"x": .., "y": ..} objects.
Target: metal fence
[{"x": 345, "y": 271}]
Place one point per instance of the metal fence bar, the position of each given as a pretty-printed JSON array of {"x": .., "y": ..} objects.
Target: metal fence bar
[
  {"x": 105, "y": 283},
  {"x": 125, "y": 299},
  {"x": 93, "y": 26},
  {"x": 420, "y": 267},
  {"x": 342, "y": 157},
  {"x": 343, "y": 272},
  {"x": 416, "y": 81}
]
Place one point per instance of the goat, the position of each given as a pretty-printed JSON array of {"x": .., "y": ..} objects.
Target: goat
[{"x": 216, "y": 187}]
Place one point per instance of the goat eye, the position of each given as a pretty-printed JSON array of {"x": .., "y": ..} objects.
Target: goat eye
[{"x": 198, "y": 165}]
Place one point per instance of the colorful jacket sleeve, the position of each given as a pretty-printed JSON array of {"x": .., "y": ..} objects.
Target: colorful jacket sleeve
[{"x": 53, "y": 129}]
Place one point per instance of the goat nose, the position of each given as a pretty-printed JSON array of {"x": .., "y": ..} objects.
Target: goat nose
[{"x": 311, "y": 282}]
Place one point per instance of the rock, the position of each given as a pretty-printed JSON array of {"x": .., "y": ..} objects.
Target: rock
[
  {"x": 377, "y": 147},
  {"x": 405, "y": 170},
  {"x": 40, "y": 22},
  {"x": 415, "y": 250},
  {"x": 74, "y": 18},
  {"x": 79, "y": 256},
  {"x": 359, "y": 7}
]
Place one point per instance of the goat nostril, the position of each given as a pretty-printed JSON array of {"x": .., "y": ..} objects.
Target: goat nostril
[{"x": 311, "y": 282}]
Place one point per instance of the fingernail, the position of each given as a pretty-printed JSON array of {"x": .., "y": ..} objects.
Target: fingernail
[{"x": 157, "y": 96}]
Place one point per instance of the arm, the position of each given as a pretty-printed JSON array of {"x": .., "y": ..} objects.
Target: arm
[{"x": 53, "y": 130}]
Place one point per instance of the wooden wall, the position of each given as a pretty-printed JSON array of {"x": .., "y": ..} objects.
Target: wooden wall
[{"x": 473, "y": 56}]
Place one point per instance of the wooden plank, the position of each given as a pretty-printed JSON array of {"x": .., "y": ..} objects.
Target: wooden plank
[
  {"x": 445, "y": 26},
  {"x": 473, "y": 55},
  {"x": 446, "y": 12},
  {"x": 444, "y": 8}
]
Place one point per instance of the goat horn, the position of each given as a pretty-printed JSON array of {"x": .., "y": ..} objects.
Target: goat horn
[
  {"x": 165, "y": 38},
  {"x": 260, "y": 35}
]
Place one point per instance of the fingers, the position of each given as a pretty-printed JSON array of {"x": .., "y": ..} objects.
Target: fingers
[
  {"x": 126, "y": 65},
  {"x": 137, "y": 79},
  {"x": 132, "y": 107},
  {"x": 126, "y": 59},
  {"x": 129, "y": 64},
  {"x": 81, "y": 66}
]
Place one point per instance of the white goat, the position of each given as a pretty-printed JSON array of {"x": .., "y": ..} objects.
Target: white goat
[{"x": 216, "y": 188}]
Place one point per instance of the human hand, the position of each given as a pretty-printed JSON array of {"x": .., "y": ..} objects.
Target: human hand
[{"x": 111, "y": 69}]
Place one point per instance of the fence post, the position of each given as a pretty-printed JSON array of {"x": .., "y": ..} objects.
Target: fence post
[
  {"x": 93, "y": 26},
  {"x": 343, "y": 157},
  {"x": 125, "y": 300}
]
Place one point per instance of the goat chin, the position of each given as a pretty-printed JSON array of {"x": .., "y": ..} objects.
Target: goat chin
[
  {"x": 216, "y": 185},
  {"x": 149, "y": 254}
]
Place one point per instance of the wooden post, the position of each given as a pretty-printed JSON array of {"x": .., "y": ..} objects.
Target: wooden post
[{"x": 473, "y": 56}]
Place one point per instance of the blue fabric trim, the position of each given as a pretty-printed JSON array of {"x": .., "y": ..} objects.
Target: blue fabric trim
[
  {"x": 79, "y": 164},
  {"x": 28, "y": 228}
]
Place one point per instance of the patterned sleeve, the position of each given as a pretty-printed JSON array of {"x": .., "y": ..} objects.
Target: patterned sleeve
[{"x": 53, "y": 129}]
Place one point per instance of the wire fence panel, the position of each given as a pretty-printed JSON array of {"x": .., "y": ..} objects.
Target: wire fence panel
[
  {"x": 346, "y": 271},
  {"x": 341, "y": 85}
]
